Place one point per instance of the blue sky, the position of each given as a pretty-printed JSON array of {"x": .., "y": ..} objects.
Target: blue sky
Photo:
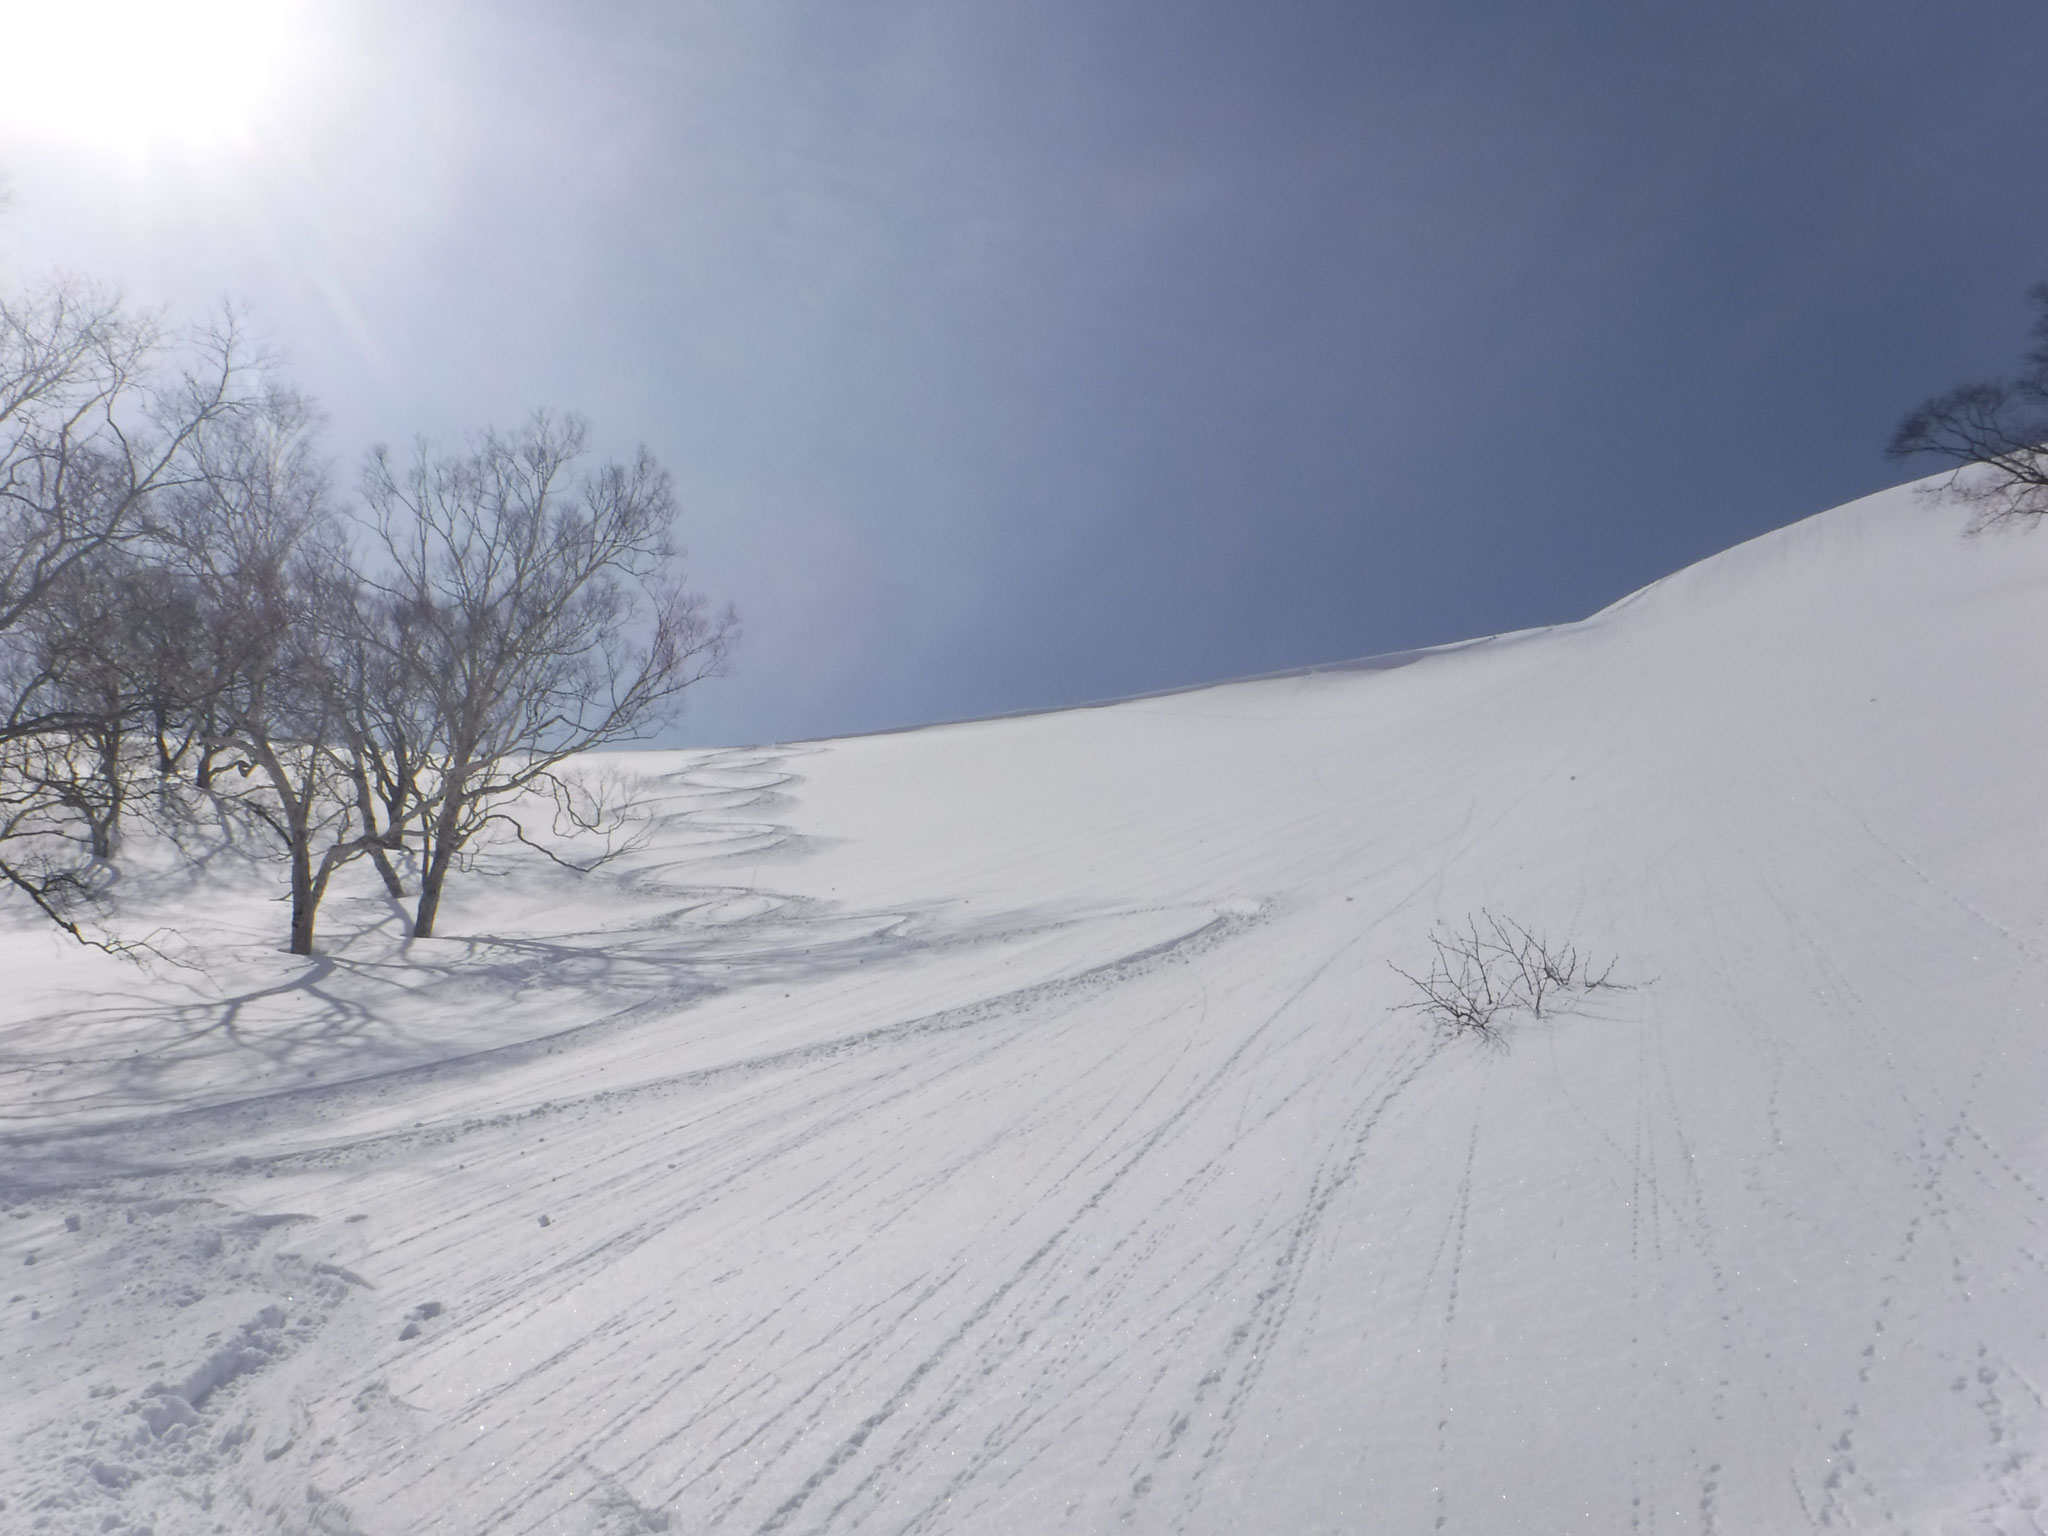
[{"x": 1017, "y": 355}]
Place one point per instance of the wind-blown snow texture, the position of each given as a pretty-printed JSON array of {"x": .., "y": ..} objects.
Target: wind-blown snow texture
[{"x": 1014, "y": 1126}]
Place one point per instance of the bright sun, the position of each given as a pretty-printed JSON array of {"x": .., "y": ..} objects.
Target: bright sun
[{"x": 136, "y": 75}]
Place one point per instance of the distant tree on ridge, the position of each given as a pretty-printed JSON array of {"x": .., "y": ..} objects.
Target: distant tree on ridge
[{"x": 1996, "y": 433}]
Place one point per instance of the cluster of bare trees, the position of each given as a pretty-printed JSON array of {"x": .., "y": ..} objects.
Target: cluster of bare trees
[{"x": 195, "y": 624}]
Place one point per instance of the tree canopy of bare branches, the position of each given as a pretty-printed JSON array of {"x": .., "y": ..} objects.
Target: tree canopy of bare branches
[
  {"x": 187, "y": 606},
  {"x": 257, "y": 544},
  {"x": 100, "y": 415},
  {"x": 519, "y": 613},
  {"x": 2000, "y": 426}
]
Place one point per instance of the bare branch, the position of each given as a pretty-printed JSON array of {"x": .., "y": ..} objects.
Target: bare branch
[
  {"x": 1996, "y": 433},
  {"x": 1492, "y": 968}
]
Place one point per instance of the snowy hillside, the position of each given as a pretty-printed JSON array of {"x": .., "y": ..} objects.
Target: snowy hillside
[{"x": 1015, "y": 1127}]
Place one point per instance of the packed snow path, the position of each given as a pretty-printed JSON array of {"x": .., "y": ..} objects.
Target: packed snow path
[{"x": 1016, "y": 1126}]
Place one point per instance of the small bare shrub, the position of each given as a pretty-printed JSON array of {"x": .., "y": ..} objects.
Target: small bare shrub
[{"x": 1483, "y": 973}]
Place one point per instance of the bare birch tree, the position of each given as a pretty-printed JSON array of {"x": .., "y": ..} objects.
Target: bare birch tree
[
  {"x": 260, "y": 543},
  {"x": 525, "y": 613}
]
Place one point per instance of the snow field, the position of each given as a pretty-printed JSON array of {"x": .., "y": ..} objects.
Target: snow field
[{"x": 1017, "y": 1126}]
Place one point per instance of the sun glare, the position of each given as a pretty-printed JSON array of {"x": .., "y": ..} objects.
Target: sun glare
[{"x": 134, "y": 76}]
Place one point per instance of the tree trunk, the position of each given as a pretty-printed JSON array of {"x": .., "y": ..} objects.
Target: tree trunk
[
  {"x": 160, "y": 730},
  {"x": 366, "y": 809},
  {"x": 106, "y": 826},
  {"x": 305, "y": 898},
  {"x": 437, "y": 855},
  {"x": 389, "y": 875},
  {"x": 432, "y": 873}
]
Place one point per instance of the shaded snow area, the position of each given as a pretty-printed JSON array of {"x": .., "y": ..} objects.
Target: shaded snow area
[{"x": 1020, "y": 1126}]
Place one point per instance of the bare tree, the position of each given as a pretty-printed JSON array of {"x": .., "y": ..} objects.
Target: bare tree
[
  {"x": 259, "y": 542},
  {"x": 100, "y": 414},
  {"x": 383, "y": 712},
  {"x": 81, "y": 642},
  {"x": 2001, "y": 426},
  {"x": 95, "y": 421},
  {"x": 524, "y": 613}
]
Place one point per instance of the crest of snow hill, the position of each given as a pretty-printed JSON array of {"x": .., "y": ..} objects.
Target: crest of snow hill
[{"x": 1085, "y": 1120}]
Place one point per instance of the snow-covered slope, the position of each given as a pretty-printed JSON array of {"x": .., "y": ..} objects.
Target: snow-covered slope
[{"x": 1016, "y": 1126}]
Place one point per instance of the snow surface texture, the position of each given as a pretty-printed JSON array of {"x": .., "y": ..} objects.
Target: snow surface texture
[{"x": 1018, "y": 1126}]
